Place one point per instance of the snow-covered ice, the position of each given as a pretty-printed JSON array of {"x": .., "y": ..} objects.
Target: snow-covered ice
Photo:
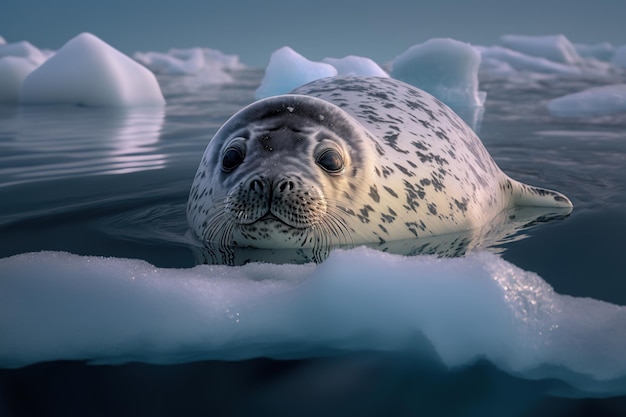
[
  {"x": 287, "y": 70},
  {"x": 595, "y": 101},
  {"x": 56, "y": 306},
  {"x": 87, "y": 71}
]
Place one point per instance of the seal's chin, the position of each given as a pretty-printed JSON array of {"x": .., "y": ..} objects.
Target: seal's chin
[{"x": 271, "y": 232}]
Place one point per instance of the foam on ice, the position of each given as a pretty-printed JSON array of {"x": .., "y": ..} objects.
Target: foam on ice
[
  {"x": 56, "y": 306},
  {"x": 87, "y": 71}
]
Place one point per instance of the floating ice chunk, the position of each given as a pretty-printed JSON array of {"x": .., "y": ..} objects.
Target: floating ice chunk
[
  {"x": 591, "y": 102},
  {"x": 356, "y": 65},
  {"x": 24, "y": 50},
  {"x": 56, "y": 306},
  {"x": 208, "y": 66},
  {"x": 287, "y": 70},
  {"x": 601, "y": 51},
  {"x": 555, "y": 48},
  {"x": 87, "y": 71},
  {"x": 13, "y": 70},
  {"x": 524, "y": 63},
  {"x": 619, "y": 57},
  {"x": 446, "y": 68}
]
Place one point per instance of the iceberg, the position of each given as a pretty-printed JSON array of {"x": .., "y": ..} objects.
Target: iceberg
[
  {"x": 447, "y": 69},
  {"x": 356, "y": 65},
  {"x": 619, "y": 57},
  {"x": 17, "y": 60},
  {"x": 499, "y": 60},
  {"x": 59, "y": 306},
  {"x": 555, "y": 48},
  {"x": 187, "y": 61},
  {"x": 595, "y": 101},
  {"x": 203, "y": 66},
  {"x": 24, "y": 50},
  {"x": 87, "y": 71},
  {"x": 600, "y": 51},
  {"x": 13, "y": 70},
  {"x": 287, "y": 70}
]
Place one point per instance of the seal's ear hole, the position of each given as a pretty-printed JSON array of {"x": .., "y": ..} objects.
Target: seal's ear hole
[
  {"x": 331, "y": 161},
  {"x": 233, "y": 157}
]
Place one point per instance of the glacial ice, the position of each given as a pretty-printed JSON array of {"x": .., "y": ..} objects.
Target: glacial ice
[
  {"x": 206, "y": 66},
  {"x": 595, "y": 101},
  {"x": 555, "y": 48},
  {"x": 287, "y": 70},
  {"x": 446, "y": 68},
  {"x": 87, "y": 71},
  {"x": 356, "y": 65},
  {"x": 619, "y": 57},
  {"x": 13, "y": 70},
  {"x": 57, "y": 306},
  {"x": 601, "y": 51}
]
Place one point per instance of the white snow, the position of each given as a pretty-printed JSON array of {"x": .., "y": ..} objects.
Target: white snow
[
  {"x": 356, "y": 66},
  {"x": 595, "y": 101},
  {"x": 288, "y": 70},
  {"x": 2, "y": 41},
  {"x": 87, "y": 71},
  {"x": 619, "y": 57},
  {"x": 556, "y": 48},
  {"x": 56, "y": 306}
]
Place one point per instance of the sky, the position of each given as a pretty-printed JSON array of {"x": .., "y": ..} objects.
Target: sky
[{"x": 252, "y": 30}]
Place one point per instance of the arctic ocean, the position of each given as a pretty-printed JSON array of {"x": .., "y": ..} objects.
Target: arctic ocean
[{"x": 104, "y": 308}]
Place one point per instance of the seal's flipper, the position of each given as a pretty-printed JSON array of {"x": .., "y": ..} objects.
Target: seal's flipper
[{"x": 528, "y": 196}]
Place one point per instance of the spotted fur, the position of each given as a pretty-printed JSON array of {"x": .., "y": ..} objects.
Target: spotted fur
[{"x": 411, "y": 168}]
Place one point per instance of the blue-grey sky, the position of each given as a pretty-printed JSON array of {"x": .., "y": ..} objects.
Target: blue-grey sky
[{"x": 316, "y": 28}]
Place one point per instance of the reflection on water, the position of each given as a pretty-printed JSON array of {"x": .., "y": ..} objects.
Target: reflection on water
[
  {"x": 508, "y": 226},
  {"x": 61, "y": 142}
]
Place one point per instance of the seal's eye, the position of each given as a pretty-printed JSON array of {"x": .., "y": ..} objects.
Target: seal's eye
[
  {"x": 232, "y": 158},
  {"x": 331, "y": 161}
]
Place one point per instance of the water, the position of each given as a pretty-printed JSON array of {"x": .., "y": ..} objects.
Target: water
[{"x": 111, "y": 183}]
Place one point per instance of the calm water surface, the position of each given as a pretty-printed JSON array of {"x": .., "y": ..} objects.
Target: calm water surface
[{"x": 113, "y": 183}]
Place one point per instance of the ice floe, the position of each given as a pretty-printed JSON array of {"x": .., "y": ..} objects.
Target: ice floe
[
  {"x": 287, "y": 70},
  {"x": 595, "y": 101},
  {"x": 447, "y": 69},
  {"x": 87, "y": 71},
  {"x": 56, "y": 306}
]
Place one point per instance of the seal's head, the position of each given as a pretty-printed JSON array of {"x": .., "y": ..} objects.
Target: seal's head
[{"x": 280, "y": 174}]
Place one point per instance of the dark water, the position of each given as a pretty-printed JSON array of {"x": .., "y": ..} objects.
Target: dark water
[{"x": 99, "y": 182}]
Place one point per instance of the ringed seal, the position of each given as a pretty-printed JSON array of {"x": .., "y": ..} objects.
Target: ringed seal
[{"x": 345, "y": 161}]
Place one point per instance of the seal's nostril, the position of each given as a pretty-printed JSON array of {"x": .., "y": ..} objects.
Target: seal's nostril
[
  {"x": 286, "y": 186},
  {"x": 256, "y": 185}
]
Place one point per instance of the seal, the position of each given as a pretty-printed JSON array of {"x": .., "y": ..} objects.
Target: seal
[{"x": 344, "y": 161}]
